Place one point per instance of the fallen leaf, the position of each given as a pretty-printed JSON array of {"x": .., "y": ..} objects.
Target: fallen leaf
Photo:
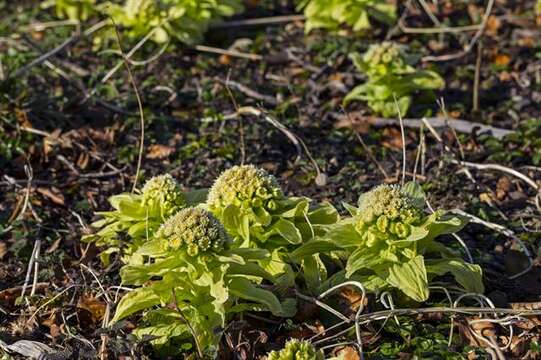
[
  {"x": 93, "y": 305},
  {"x": 492, "y": 26},
  {"x": 82, "y": 160},
  {"x": 502, "y": 187},
  {"x": 53, "y": 194},
  {"x": 157, "y": 151},
  {"x": 3, "y": 249},
  {"x": 355, "y": 121},
  {"x": 502, "y": 59},
  {"x": 347, "y": 353}
]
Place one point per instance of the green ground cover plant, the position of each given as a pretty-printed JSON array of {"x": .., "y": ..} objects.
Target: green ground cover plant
[
  {"x": 356, "y": 14},
  {"x": 192, "y": 281},
  {"x": 163, "y": 20},
  {"x": 391, "y": 75},
  {"x": 196, "y": 259},
  {"x": 390, "y": 242}
]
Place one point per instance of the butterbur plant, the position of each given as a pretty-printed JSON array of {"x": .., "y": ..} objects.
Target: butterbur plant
[
  {"x": 192, "y": 281},
  {"x": 390, "y": 242},
  {"x": 297, "y": 350},
  {"x": 161, "y": 20},
  {"x": 255, "y": 211},
  {"x": 136, "y": 217},
  {"x": 391, "y": 74},
  {"x": 357, "y": 14},
  {"x": 77, "y": 10}
]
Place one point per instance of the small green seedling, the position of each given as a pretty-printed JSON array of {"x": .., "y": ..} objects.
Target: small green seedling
[
  {"x": 297, "y": 350},
  {"x": 357, "y": 14},
  {"x": 391, "y": 75},
  {"x": 160, "y": 20}
]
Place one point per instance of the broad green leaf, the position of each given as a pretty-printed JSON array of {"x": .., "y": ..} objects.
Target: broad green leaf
[
  {"x": 325, "y": 213},
  {"x": 468, "y": 275},
  {"x": 362, "y": 258},
  {"x": 416, "y": 193},
  {"x": 246, "y": 290},
  {"x": 134, "y": 301},
  {"x": 409, "y": 277},
  {"x": 288, "y": 231},
  {"x": 314, "y": 272},
  {"x": 312, "y": 247},
  {"x": 344, "y": 234},
  {"x": 252, "y": 270}
]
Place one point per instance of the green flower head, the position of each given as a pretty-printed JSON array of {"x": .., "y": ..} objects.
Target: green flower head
[
  {"x": 163, "y": 193},
  {"x": 195, "y": 230},
  {"x": 296, "y": 350},
  {"x": 384, "y": 58},
  {"x": 386, "y": 212},
  {"x": 245, "y": 187}
]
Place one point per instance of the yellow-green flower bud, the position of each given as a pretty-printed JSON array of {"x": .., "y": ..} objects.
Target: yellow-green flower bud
[
  {"x": 296, "y": 350},
  {"x": 246, "y": 185},
  {"x": 194, "y": 229},
  {"x": 386, "y": 212},
  {"x": 163, "y": 193}
]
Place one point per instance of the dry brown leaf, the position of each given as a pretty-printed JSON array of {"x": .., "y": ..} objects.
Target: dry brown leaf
[
  {"x": 393, "y": 139},
  {"x": 493, "y": 24},
  {"x": 347, "y": 353},
  {"x": 157, "y": 151},
  {"x": 3, "y": 249},
  {"x": 355, "y": 121},
  {"x": 502, "y": 187},
  {"x": 82, "y": 160},
  {"x": 502, "y": 59},
  {"x": 53, "y": 194},
  {"x": 93, "y": 305}
]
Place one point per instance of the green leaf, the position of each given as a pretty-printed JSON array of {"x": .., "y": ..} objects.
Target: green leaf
[
  {"x": 312, "y": 247},
  {"x": 314, "y": 272},
  {"x": 324, "y": 213},
  {"x": 288, "y": 231},
  {"x": 361, "y": 259},
  {"x": 468, "y": 275},
  {"x": 196, "y": 197},
  {"x": 416, "y": 193},
  {"x": 344, "y": 234},
  {"x": 134, "y": 301},
  {"x": 246, "y": 290},
  {"x": 409, "y": 277},
  {"x": 352, "y": 210}
]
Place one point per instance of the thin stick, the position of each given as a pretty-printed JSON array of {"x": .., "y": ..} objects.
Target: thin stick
[
  {"x": 477, "y": 76},
  {"x": 37, "y": 244},
  {"x": 473, "y": 41},
  {"x": 233, "y": 53},
  {"x": 36, "y": 267},
  {"x": 502, "y": 230},
  {"x": 260, "y": 21},
  {"x": 140, "y": 105},
  {"x": 460, "y": 125},
  {"x": 501, "y": 168}
]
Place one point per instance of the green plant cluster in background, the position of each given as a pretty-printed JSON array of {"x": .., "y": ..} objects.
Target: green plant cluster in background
[
  {"x": 195, "y": 259},
  {"x": 333, "y": 14},
  {"x": 297, "y": 350},
  {"x": 391, "y": 75},
  {"x": 162, "y": 20}
]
